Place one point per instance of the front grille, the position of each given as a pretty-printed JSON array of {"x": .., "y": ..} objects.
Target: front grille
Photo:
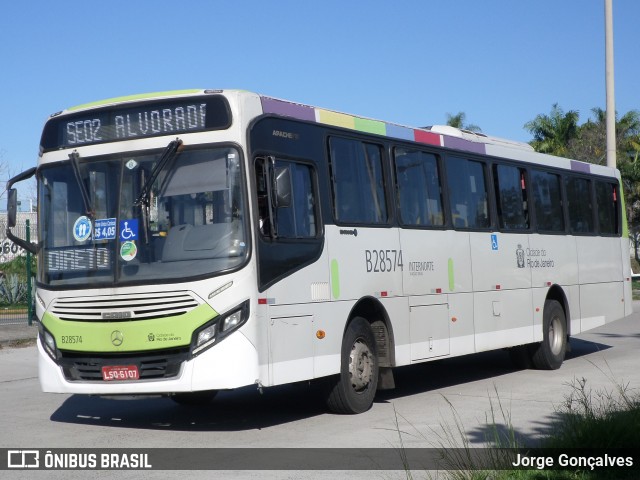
[
  {"x": 160, "y": 365},
  {"x": 132, "y": 306}
]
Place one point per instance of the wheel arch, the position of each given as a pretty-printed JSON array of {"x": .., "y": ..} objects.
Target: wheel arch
[{"x": 371, "y": 309}]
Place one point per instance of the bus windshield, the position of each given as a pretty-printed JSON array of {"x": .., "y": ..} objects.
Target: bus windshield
[{"x": 141, "y": 223}]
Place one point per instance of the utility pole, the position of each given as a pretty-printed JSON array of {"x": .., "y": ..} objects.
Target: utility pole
[{"x": 611, "y": 101}]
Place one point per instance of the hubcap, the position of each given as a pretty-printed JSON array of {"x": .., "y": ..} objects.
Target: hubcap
[
  {"x": 360, "y": 365},
  {"x": 555, "y": 335}
]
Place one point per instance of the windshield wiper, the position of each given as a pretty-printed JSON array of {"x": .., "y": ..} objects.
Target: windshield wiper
[
  {"x": 74, "y": 157},
  {"x": 167, "y": 156}
]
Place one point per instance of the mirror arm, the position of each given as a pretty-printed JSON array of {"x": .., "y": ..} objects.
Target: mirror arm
[
  {"x": 31, "y": 247},
  {"x": 21, "y": 176}
]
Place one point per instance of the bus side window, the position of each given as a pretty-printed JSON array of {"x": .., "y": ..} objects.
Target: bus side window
[
  {"x": 298, "y": 219},
  {"x": 467, "y": 193},
  {"x": 511, "y": 193},
  {"x": 262, "y": 197},
  {"x": 358, "y": 182},
  {"x": 547, "y": 201},
  {"x": 607, "y": 204},
  {"x": 580, "y": 205},
  {"x": 419, "y": 191}
]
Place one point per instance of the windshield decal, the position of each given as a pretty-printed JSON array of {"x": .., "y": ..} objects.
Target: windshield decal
[
  {"x": 128, "y": 251},
  {"x": 128, "y": 229},
  {"x": 82, "y": 229},
  {"x": 105, "y": 229}
]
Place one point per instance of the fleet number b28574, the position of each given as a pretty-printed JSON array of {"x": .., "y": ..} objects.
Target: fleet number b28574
[{"x": 383, "y": 260}]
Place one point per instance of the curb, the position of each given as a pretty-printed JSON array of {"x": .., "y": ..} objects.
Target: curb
[{"x": 21, "y": 335}]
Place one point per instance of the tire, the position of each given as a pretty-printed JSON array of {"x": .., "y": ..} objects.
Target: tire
[
  {"x": 549, "y": 354},
  {"x": 204, "y": 397},
  {"x": 353, "y": 390}
]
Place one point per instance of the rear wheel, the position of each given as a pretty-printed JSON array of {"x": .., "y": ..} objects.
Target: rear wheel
[
  {"x": 353, "y": 390},
  {"x": 203, "y": 397},
  {"x": 549, "y": 354}
]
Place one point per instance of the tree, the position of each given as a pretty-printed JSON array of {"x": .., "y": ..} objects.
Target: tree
[
  {"x": 457, "y": 121},
  {"x": 590, "y": 144},
  {"x": 552, "y": 133}
]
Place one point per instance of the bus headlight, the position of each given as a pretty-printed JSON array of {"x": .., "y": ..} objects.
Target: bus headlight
[
  {"x": 215, "y": 330},
  {"x": 232, "y": 321},
  {"x": 48, "y": 342},
  {"x": 206, "y": 335}
]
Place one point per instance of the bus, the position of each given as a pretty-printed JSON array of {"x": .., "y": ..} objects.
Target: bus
[{"x": 204, "y": 240}]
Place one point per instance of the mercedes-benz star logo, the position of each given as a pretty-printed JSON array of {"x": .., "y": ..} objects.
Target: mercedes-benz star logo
[{"x": 117, "y": 338}]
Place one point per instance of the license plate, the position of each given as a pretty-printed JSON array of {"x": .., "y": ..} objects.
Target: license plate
[{"x": 120, "y": 372}]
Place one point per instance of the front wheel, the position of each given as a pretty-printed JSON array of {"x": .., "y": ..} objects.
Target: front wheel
[
  {"x": 353, "y": 390},
  {"x": 549, "y": 354}
]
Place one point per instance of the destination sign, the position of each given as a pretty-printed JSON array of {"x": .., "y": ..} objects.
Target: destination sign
[{"x": 140, "y": 120}]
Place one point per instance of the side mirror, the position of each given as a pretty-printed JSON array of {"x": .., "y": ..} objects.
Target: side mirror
[
  {"x": 12, "y": 207},
  {"x": 283, "y": 186}
]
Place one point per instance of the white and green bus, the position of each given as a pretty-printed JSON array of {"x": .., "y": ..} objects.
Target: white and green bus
[{"x": 202, "y": 240}]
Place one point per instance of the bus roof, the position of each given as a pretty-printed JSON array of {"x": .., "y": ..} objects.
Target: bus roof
[
  {"x": 132, "y": 98},
  {"x": 437, "y": 135},
  {"x": 440, "y": 135}
]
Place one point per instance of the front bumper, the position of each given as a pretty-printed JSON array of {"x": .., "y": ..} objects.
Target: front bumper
[{"x": 232, "y": 363}]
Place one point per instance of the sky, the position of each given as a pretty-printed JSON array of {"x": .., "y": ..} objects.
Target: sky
[{"x": 412, "y": 62}]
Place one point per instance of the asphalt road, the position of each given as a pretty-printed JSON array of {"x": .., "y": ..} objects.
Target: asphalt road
[{"x": 452, "y": 395}]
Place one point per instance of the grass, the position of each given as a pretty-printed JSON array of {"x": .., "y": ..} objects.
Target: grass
[
  {"x": 635, "y": 289},
  {"x": 600, "y": 420},
  {"x": 19, "y": 266}
]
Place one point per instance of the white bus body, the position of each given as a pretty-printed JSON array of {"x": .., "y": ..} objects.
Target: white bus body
[{"x": 305, "y": 288}]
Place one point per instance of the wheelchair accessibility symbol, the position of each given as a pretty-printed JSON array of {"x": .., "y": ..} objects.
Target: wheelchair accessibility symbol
[
  {"x": 128, "y": 230},
  {"x": 494, "y": 242}
]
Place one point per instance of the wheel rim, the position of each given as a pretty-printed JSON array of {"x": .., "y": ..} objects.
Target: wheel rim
[
  {"x": 360, "y": 365},
  {"x": 555, "y": 335}
]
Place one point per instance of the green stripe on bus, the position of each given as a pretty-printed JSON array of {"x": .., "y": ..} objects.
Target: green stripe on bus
[
  {"x": 625, "y": 225},
  {"x": 370, "y": 126},
  {"x": 452, "y": 283},
  {"x": 134, "y": 335},
  {"x": 335, "y": 279},
  {"x": 128, "y": 98}
]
